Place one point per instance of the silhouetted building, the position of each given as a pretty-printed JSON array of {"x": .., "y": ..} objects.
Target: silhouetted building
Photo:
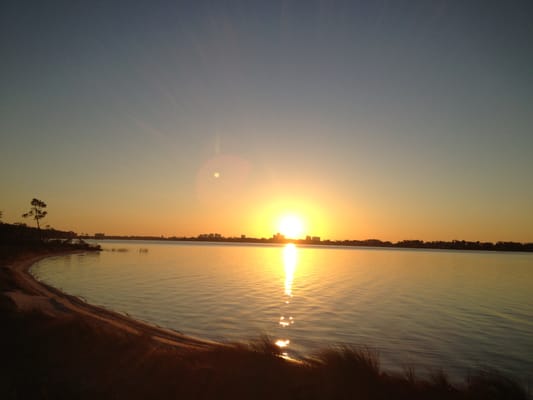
[
  {"x": 278, "y": 237},
  {"x": 210, "y": 236}
]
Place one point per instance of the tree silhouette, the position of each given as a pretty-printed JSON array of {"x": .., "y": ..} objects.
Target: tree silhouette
[{"x": 36, "y": 211}]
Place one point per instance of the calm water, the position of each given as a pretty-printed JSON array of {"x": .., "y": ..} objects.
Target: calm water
[{"x": 428, "y": 309}]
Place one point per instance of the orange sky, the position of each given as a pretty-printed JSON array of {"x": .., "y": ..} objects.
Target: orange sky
[{"x": 404, "y": 122}]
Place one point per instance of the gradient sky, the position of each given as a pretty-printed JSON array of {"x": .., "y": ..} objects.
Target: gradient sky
[{"x": 370, "y": 119}]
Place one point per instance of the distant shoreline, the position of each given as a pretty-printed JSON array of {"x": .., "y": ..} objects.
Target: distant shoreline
[
  {"x": 404, "y": 244},
  {"x": 17, "y": 234}
]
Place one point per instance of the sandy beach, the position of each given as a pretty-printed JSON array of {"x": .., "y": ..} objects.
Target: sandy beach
[{"x": 32, "y": 295}]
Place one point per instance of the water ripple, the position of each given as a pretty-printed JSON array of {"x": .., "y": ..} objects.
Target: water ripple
[{"x": 427, "y": 309}]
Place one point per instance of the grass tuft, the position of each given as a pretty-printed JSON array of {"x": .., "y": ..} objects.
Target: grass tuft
[
  {"x": 492, "y": 385},
  {"x": 352, "y": 360}
]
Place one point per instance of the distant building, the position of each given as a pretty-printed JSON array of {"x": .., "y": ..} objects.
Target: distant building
[
  {"x": 210, "y": 236},
  {"x": 243, "y": 236},
  {"x": 99, "y": 235},
  {"x": 312, "y": 238},
  {"x": 278, "y": 237}
]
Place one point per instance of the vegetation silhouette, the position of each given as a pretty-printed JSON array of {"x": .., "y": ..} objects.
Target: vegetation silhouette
[
  {"x": 279, "y": 239},
  {"x": 78, "y": 358},
  {"x": 37, "y": 211},
  {"x": 16, "y": 239}
]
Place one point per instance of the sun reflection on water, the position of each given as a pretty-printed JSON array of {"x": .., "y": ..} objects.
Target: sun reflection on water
[{"x": 290, "y": 261}]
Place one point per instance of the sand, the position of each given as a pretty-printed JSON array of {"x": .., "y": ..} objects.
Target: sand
[{"x": 32, "y": 295}]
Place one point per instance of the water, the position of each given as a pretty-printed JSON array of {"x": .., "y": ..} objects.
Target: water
[{"x": 428, "y": 309}]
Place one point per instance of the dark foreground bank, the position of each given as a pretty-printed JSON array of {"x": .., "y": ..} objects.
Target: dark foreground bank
[{"x": 78, "y": 355}]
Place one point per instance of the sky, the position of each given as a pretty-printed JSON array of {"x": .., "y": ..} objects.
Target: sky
[{"x": 365, "y": 119}]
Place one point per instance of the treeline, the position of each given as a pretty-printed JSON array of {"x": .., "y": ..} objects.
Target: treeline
[
  {"x": 17, "y": 239},
  {"x": 451, "y": 245},
  {"x": 405, "y": 244},
  {"x": 17, "y": 233}
]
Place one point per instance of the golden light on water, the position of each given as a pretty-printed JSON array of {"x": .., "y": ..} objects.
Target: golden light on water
[
  {"x": 282, "y": 343},
  {"x": 290, "y": 259}
]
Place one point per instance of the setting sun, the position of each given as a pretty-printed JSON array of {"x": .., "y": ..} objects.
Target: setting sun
[{"x": 291, "y": 226}]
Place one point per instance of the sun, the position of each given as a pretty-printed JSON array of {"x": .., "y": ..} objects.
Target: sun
[{"x": 291, "y": 226}]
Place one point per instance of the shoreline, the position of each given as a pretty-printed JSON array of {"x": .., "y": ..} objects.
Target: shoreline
[
  {"x": 454, "y": 245},
  {"x": 32, "y": 294}
]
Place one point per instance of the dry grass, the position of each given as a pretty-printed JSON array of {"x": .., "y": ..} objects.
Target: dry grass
[{"x": 73, "y": 357}]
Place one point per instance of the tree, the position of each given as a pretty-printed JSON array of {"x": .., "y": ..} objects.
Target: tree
[{"x": 36, "y": 211}]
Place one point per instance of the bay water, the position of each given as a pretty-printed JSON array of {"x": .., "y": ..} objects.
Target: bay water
[{"x": 427, "y": 309}]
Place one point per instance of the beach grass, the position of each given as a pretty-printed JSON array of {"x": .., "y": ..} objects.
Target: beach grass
[{"x": 72, "y": 357}]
